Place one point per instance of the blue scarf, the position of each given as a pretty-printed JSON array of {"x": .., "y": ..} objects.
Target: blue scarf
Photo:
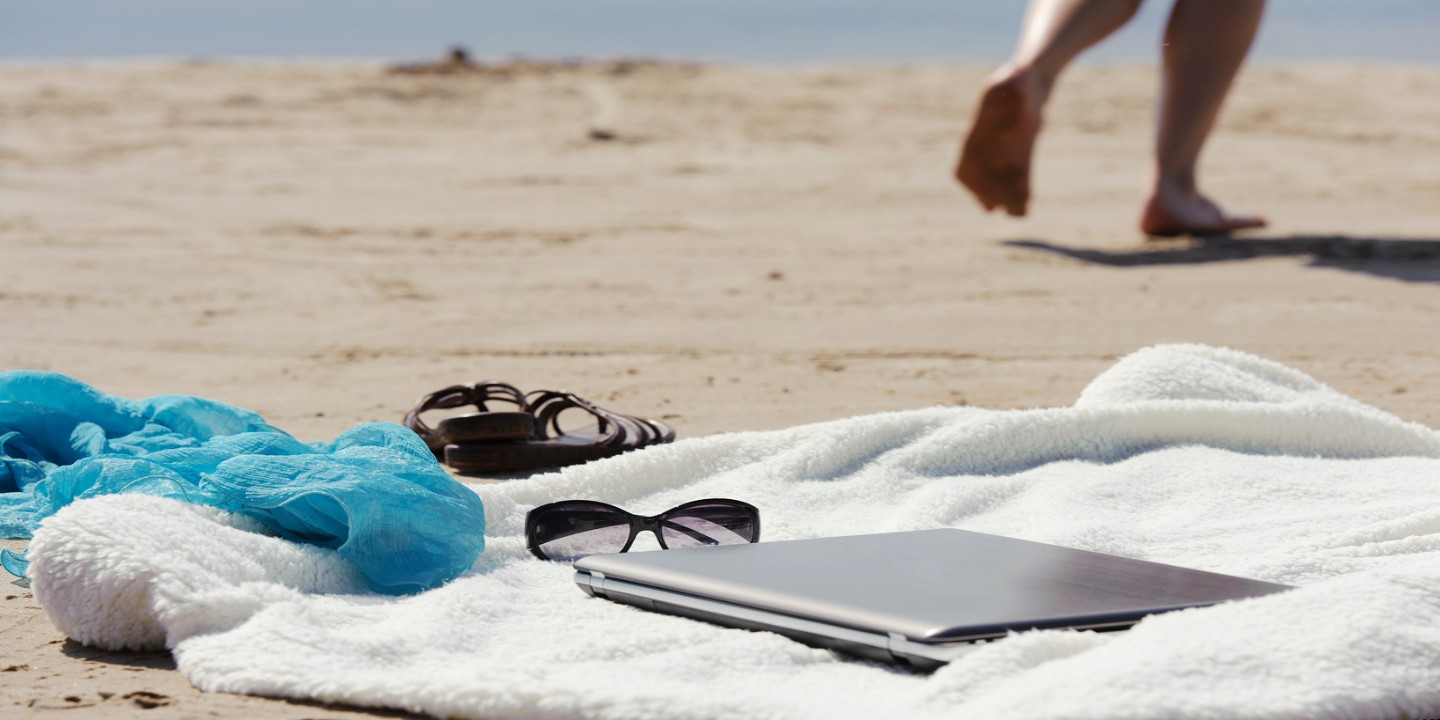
[{"x": 376, "y": 494}]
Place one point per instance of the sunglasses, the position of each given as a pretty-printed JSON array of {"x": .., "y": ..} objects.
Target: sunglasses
[{"x": 572, "y": 529}]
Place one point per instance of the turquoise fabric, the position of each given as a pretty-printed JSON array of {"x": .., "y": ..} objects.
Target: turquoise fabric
[{"x": 375, "y": 494}]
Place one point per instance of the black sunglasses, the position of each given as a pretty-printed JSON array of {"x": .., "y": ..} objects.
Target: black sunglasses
[{"x": 571, "y": 529}]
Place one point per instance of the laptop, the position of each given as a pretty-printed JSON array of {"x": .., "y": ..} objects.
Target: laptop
[{"x": 919, "y": 599}]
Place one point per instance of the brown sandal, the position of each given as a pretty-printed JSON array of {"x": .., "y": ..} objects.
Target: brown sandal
[
  {"x": 484, "y": 426},
  {"x": 551, "y": 446}
]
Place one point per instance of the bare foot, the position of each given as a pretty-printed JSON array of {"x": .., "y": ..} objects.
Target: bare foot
[
  {"x": 1172, "y": 213},
  {"x": 995, "y": 162}
]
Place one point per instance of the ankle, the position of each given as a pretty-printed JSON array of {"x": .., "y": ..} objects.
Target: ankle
[
  {"x": 1034, "y": 82},
  {"x": 1174, "y": 187}
]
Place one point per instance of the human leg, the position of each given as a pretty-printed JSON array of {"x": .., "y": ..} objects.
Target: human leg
[
  {"x": 1205, "y": 43},
  {"x": 995, "y": 160}
]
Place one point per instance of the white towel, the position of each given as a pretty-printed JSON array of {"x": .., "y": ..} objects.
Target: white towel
[{"x": 1182, "y": 454}]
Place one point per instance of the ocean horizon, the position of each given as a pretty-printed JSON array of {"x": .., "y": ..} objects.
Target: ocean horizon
[{"x": 758, "y": 31}]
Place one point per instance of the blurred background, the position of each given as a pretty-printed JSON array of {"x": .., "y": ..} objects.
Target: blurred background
[{"x": 768, "y": 31}]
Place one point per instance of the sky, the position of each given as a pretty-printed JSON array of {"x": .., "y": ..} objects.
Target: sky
[{"x": 762, "y": 31}]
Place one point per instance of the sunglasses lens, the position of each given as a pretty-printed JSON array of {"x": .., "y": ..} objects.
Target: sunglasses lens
[
  {"x": 572, "y": 531},
  {"x": 709, "y": 524}
]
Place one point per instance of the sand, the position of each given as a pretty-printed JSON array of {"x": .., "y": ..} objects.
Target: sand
[{"x": 728, "y": 248}]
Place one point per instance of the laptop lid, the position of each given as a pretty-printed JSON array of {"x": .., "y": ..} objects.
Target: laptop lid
[{"x": 920, "y": 592}]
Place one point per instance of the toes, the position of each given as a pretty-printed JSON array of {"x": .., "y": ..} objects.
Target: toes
[
  {"x": 982, "y": 192},
  {"x": 1224, "y": 227},
  {"x": 1014, "y": 191},
  {"x": 1015, "y": 205},
  {"x": 1244, "y": 222}
]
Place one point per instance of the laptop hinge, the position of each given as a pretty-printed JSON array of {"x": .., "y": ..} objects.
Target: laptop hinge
[
  {"x": 894, "y": 644},
  {"x": 594, "y": 582}
]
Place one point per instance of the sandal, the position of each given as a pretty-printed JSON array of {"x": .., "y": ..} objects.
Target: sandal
[
  {"x": 490, "y": 442},
  {"x": 484, "y": 426}
]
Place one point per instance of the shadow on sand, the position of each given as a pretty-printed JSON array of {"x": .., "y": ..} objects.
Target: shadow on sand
[
  {"x": 151, "y": 660},
  {"x": 1407, "y": 259},
  {"x": 146, "y": 700}
]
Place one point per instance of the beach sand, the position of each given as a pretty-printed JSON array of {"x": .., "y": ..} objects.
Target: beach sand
[{"x": 726, "y": 248}]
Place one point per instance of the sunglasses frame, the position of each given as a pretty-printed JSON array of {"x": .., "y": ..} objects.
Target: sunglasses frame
[{"x": 638, "y": 523}]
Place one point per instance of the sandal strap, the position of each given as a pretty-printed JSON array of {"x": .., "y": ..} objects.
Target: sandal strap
[
  {"x": 660, "y": 432},
  {"x": 488, "y": 390},
  {"x": 459, "y": 396},
  {"x": 633, "y": 431},
  {"x": 546, "y": 406}
]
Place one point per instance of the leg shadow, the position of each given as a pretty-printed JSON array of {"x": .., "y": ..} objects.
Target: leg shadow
[{"x": 1405, "y": 259}]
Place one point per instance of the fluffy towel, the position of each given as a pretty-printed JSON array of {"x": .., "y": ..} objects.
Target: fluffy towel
[
  {"x": 375, "y": 494},
  {"x": 1181, "y": 454}
]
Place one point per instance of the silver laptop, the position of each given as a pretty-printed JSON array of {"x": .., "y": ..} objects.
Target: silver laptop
[{"x": 919, "y": 598}]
